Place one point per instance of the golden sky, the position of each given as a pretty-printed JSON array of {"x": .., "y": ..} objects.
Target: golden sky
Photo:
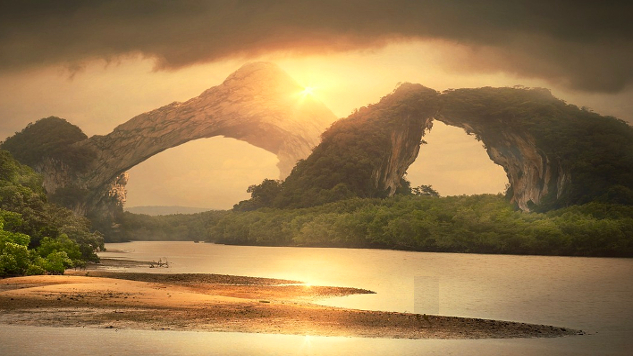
[{"x": 99, "y": 63}]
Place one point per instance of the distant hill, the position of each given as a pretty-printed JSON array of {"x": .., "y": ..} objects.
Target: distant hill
[{"x": 165, "y": 210}]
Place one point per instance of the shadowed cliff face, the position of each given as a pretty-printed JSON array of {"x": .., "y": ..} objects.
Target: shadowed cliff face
[
  {"x": 405, "y": 134},
  {"x": 532, "y": 175},
  {"x": 503, "y": 119}
]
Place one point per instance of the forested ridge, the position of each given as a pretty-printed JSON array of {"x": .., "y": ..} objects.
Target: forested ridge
[{"x": 49, "y": 138}]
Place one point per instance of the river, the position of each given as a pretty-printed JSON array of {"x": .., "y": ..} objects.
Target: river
[{"x": 592, "y": 294}]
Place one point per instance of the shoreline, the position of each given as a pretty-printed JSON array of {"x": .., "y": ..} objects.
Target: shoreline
[{"x": 211, "y": 302}]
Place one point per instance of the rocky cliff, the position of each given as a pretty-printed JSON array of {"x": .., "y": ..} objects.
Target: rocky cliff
[
  {"x": 533, "y": 173},
  {"x": 414, "y": 108}
]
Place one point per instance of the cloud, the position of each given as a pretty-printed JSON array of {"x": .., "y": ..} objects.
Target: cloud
[{"x": 581, "y": 45}]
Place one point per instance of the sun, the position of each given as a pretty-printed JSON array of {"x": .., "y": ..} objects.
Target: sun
[{"x": 308, "y": 91}]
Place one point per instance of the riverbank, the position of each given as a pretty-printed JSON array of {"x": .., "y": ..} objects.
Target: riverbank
[{"x": 208, "y": 302}]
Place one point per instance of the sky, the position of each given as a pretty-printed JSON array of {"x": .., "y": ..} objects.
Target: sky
[{"x": 98, "y": 63}]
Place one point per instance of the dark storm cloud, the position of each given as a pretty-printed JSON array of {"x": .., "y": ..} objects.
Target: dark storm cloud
[{"x": 583, "y": 45}]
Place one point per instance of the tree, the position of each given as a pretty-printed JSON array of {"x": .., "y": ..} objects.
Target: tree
[
  {"x": 261, "y": 195},
  {"x": 425, "y": 190}
]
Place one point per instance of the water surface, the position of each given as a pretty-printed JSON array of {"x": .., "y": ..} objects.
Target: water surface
[{"x": 592, "y": 294}]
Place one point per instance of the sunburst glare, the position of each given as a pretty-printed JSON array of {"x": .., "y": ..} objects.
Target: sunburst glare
[{"x": 308, "y": 91}]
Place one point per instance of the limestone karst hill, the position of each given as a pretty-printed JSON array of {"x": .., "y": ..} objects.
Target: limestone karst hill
[
  {"x": 554, "y": 154},
  {"x": 259, "y": 104}
]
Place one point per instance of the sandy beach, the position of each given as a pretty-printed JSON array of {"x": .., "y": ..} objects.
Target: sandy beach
[{"x": 209, "y": 302}]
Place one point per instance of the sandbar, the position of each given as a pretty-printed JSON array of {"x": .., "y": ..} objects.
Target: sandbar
[{"x": 211, "y": 302}]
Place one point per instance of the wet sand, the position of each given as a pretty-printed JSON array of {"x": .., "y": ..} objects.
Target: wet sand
[{"x": 208, "y": 302}]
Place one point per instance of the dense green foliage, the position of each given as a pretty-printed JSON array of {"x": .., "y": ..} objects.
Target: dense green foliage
[
  {"x": 167, "y": 227},
  {"x": 36, "y": 236},
  {"x": 423, "y": 222},
  {"x": 597, "y": 151},
  {"x": 52, "y": 138},
  {"x": 350, "y": 154},
  {"x": 475, "y": 224}
]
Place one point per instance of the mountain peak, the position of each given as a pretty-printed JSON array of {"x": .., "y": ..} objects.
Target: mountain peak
[
  {"x": 262, "y": 77},
  {"x": 253, "y": 68}
]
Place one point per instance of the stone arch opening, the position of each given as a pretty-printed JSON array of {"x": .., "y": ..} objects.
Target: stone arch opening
[
  {"x": 259, "y": 104},
  {"x": 455, "y": 163},
  {"x": 212, "y": 173},
  {"x": 499, "y": 117}
]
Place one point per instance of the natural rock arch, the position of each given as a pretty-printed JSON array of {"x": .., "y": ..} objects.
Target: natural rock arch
[
  {"x": 553, "y": 153},
  {"x": 259, "y": 104},
  {"x": 533, "y": 174},
  {"x": 453, "y": 162}
]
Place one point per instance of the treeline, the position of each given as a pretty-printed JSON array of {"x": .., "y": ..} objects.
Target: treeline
[
  {"x": 35, "y": 236},
  {"x": 176, "y": 227},
  {"x": 473, "y": 224}
]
